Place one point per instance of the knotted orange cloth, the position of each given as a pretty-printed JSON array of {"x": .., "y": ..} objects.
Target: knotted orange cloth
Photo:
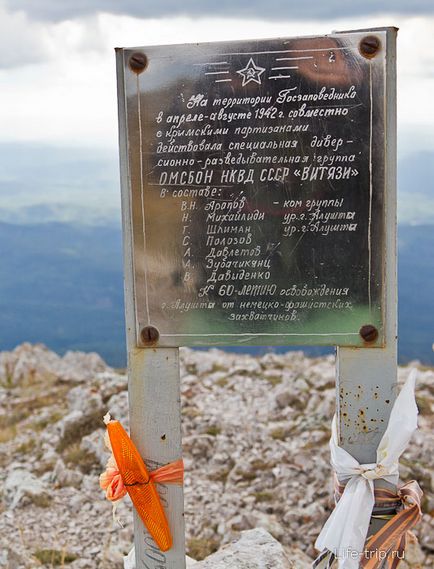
[
  {"x": 126, "y": 472},
  {"x": 386, "y": 548},
  {"x": 390, "y": 541}
]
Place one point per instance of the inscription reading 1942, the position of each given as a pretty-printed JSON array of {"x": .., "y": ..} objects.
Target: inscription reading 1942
[{"x": 257, "y": 179}]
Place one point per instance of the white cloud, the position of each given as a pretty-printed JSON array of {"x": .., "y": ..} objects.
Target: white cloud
[
  {"x": 70, "y": 98},
  {"x": 416, "y": 70},
  {"x": 271, "y": 10},
  {"x": 21, "y": 41}
]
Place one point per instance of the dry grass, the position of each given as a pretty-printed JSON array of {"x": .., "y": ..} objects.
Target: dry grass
[
  {"x": 199, "y": 548},
  {"x": 263, "y": 496},
  {"x": 26, "y": 447},
  {"x": 274, "y": 380},
  {"x": 75, "y": 456},
  {"x": 87, "y": 425},
  {"x": 191, "y": 412},
  {"x": 213, "y": 431},
  {"x": 7, "y": 433},
  {"x": 279, "y": 434},
  {"x": 54, "y": 557},
  {"x": 42, "y": 501},
  {"x": 41, "y": 424}
]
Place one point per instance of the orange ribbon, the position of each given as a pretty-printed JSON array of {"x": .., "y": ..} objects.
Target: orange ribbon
[
  {"x": 390, "y": 541},
  {"x": 126, "y": 472},
  {"x": 386, "y": 548}
]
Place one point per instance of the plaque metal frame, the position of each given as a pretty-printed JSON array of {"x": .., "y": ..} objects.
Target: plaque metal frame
[
  {"x": 164, "y": 294},
  {"x": 366, "y": 379}
]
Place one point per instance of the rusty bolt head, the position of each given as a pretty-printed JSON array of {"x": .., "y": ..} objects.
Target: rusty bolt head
[
  {"x": 369, "y": 333},
  {"x": 149, "y": 335},
  {"x": 369, "y": 46},
  {"x": 138, "y": 62}
]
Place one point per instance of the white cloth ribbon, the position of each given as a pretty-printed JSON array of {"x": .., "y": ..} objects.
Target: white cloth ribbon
[{"x": 345, "y": 531}]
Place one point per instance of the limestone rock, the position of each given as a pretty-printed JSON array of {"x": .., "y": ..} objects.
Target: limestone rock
[
  {"x": 413, "y": 557},
  {"x": 12, "y": 559},
  {"x": 78, "y": 367},
  {"x": 298, "y": 558},
  {"x": 63, "y": 476},
  {"x": 27, "y": 361},
  {"x": 34, "y": 362},
  {"x": 117, "y": 406},
  {"x": 256, "y": 549},
  {"x": 70, "y": 424},
  {"x": 111, "y": 383},
  {"x": 22, "y": 488},
  {"x": 255, "y": 433},
  {"x": 89, "y": 402},
  {"x": 94, "y": 444}
]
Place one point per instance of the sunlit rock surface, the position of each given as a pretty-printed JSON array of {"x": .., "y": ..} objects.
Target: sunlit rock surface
[{"x": 255, "y": 433}]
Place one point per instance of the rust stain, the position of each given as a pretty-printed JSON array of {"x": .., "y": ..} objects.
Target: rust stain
[
  {"x": 138, "y": 62},
  {"x": 369, "y": 46}
]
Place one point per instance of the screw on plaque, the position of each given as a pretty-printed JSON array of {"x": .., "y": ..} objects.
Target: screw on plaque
[
  {"x": 138, "y": 62},
  {"x": 149, "y": 335},
  {"x": 368, "y": 333},
  {"x": 369, "y": 46}
]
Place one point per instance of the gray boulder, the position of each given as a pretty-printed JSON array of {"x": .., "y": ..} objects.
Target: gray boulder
[
  {"x": 256, "y": 549},
  {"x": 63, "y": 476},
  {"x": 22, "y": 488}
]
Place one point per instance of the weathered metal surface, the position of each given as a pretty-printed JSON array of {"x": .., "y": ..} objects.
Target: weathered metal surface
[
  {"x": 367, "y": 379},
  {"x": 256, "y": 179},
  {"x": 154, "y": 399},
  {"x": 155, "y": 421}
]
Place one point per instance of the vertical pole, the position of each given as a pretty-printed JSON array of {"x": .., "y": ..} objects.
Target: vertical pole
[
  {"x": 153, "y": 388},
  {"x": 366, "y": 378},
  {"x": 155, "y": 424}
]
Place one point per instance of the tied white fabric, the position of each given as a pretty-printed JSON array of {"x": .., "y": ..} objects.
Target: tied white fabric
[{"x": 346, "y": 529}]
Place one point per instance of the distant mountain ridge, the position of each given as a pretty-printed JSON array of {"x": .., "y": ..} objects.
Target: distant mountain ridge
[
  {"x": 62, "y": 285},
  {"x": 41, "y": 184}
]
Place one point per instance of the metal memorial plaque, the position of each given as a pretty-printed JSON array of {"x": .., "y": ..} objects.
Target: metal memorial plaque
[{"x": 255, "y": 175}]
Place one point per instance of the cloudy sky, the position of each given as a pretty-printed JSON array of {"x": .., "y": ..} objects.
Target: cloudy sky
[
  {"x": 58, "y": 112},
  {"x": 57, "y": 68}
]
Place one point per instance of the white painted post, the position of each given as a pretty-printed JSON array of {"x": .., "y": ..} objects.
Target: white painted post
[
  {"x": 154, "y": 392},
  {"x": 155, "y": 424},
  {"x": 367, "y": 378}
]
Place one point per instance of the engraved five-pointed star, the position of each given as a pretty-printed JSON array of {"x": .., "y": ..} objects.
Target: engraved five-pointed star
[{"x": 251, "y": 72}]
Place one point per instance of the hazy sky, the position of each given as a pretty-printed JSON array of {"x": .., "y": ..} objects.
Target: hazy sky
[{"x": 57, "y": 68}]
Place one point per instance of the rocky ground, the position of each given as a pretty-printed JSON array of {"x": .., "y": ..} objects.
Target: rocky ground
[{"x": 255, "y": 433}]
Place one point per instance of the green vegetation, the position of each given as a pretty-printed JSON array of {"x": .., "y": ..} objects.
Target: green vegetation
[
  {"x": 199, "y": 548},
  {"x": 213, "y": 431},
  {"x": 247, "y": 475},
  {"x": 263, "y": 496},
  {"x": 54, "y": 557},
  {"x": 274, "y": 379}
]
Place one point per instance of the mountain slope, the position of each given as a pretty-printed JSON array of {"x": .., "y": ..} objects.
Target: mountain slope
[{"x": 63, "y": 285}]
